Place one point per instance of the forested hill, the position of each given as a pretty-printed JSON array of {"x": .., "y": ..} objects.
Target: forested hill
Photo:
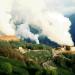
[{"x": 20, "y": 58}]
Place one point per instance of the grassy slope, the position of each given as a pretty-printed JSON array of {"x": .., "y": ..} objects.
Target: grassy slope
[{"x": 37, "y": 63}]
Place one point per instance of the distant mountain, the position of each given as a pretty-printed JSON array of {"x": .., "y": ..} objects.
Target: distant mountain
[
  {"x": 45, "y": 40},
  {"x": 42, "y": 39},
  {"x": 72, "y": 31}
]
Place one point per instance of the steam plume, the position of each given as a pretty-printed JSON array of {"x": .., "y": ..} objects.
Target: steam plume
[{"x": 35, "y": 13}]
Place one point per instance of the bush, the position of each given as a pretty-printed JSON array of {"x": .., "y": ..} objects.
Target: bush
[
  {"x": 20, "y": 71},
  {"x": 50, "y": 70},
  {"x": 6, "y": 68},
  {"x": 39, "y": 56},
  {"x": 12, "y": 67},
  {"x": 62, "y": 71}
]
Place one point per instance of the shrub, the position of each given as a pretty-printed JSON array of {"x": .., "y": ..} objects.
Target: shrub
[
  {"x": 6, "y": 68},
  {"x": 39, "y": 56},
  {"x": 50, "y": 70}
]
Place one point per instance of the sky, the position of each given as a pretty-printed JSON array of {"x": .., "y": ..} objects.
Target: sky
[
  {"x": 64, "y": 6},
  {"x": 45, "y": 14}
]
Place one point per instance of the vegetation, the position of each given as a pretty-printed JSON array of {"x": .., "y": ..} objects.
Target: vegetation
[
  {"x": 39, "y": 56},
  {"x": 38, "y": 60},
  {"x": 15, "y": 44}
]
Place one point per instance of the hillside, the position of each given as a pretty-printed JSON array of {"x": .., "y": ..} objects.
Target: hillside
[
  {"x": 37, "y": 60},
  {"x": 9, "y": 38}
]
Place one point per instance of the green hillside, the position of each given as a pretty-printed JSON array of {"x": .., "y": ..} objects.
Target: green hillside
[{"x": 37, "y": 60}]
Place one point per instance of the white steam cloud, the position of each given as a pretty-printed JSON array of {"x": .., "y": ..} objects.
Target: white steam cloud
[
  {"x": 25, "y": 13},
  {"x": 5, "y": 9}
]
